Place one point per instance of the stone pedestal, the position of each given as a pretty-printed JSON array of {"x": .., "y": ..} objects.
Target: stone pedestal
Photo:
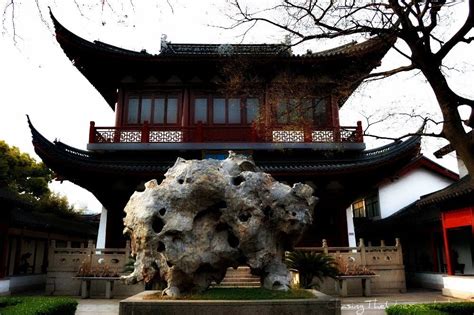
[{"x": 321, "y": 304}]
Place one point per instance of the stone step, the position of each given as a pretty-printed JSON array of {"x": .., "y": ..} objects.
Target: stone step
[
  {"x": 236, "y": 285},
  {"x": 241, "y": 279}
]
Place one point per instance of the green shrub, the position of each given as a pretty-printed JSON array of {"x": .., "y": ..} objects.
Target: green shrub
[
  {"x": 37, "y": 305},
  {"x": 311, "y": 265},
  {"x": 454, "y": 308}
]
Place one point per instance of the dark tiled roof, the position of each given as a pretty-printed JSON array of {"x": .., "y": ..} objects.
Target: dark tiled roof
[
  {"x": 49, "y": 222},
  {"x": 463, "y": 188}
]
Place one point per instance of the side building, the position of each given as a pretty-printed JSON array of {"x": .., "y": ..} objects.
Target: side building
[{"x": 25, "y": 239}]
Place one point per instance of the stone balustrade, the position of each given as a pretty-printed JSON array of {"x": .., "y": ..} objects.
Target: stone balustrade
[{"x": 385, "y": 261}]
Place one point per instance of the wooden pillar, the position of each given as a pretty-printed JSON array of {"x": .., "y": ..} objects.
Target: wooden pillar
[
  {"x": 185, "y": 115},
  {"x": 447, "y": 249},
  {"x": 119, "y": 109},
  {"x": 145, "y": 132},
  {"x": 359, "y": 132}
]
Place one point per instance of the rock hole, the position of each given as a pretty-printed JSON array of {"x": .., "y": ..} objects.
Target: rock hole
[
  {"x": 222, "y": 227},
  {"x": 293, "y": 214},
  {"x": 180, "y": 181},
  {"x": 276, "y": 285},
  {"x": 232, "y": 239},
  {"x": 157, "y": 224},
  {"x": 162, "y": 211},
  {"x": 169, "y": 264},
  {"x": 161, "y": 247},
  {"x": 267, "y": 211},
  {"x": 205, "y": 268},
  {"x": 238, "y": 180},
  {"x": 244, "y": 217},
  {"x": 221, "y": 204}
]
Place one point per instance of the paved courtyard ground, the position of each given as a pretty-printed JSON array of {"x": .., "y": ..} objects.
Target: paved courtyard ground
[{"x": 351, "y": 305}]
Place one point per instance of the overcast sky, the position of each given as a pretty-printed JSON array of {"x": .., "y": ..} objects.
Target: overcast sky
[{"x": 37, "y": 78}]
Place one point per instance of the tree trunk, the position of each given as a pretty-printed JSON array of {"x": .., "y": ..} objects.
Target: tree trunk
[{"x": 453, "y": 129}]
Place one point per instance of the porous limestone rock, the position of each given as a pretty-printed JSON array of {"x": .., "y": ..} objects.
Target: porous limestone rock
[{"x": 208, "y": 215}]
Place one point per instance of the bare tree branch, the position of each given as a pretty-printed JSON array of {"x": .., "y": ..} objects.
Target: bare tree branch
[{"x": 388, "y": 73}]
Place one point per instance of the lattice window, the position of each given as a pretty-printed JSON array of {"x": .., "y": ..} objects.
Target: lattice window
[
  {"x": 166, "y": 136},
  {"x": 288, "y": 136},
  {"x": 130, "y": 136},
  {"x": 322, "y": 136}
]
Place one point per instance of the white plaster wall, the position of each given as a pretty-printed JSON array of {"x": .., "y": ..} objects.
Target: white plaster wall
[
  {"x": 427, "y": 280},
  {"x": 102, "y": 229},
  {"x": 350, "y": 228},
  {"x": 459, "y": 287},
  {"x": 4, "y": 287},
  {"x": 399, "y": 193}
]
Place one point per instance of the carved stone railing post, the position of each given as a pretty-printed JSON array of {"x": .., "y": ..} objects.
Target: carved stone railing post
[
  {"x": 398, "y": 245},
  {"x": 325, "y": 247},
  {"x": 363, "y": 259},
  {"x": 51, "y": 252}
]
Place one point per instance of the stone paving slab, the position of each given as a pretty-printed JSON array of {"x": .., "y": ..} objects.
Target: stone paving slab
[{"x": 98, "y": 306}]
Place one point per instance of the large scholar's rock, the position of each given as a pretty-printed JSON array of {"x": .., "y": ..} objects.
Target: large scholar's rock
[{"x": 208, "y": 215}]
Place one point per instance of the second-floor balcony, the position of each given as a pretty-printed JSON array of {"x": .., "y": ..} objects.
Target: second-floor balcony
[{"x": 201, "y": 136}]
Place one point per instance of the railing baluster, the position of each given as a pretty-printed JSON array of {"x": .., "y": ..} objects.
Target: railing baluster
[{"x": 92, "y": 132}]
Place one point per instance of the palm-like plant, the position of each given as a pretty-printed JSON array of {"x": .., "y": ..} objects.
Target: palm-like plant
[{"x": 311, "y": 265}]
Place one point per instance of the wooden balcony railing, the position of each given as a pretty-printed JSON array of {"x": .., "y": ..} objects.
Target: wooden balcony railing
[{"x": 217, "y": 134}]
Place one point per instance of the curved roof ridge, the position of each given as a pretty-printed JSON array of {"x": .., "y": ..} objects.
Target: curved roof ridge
[{"x": 261, "y": 49}]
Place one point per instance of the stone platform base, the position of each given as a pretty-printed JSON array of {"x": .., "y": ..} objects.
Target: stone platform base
[{"x": 321, "y": 304}]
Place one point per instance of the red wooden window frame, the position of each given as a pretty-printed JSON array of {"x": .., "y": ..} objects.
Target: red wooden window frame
[
  {"x": 210, "y": 109},
  {"x": 314, "y": 101},
  {"x": 153, "y": 95}
]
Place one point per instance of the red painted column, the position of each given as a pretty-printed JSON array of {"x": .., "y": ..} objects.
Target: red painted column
[
  {"x": 447, "y": 250},
  {"x": 92, "y": 132},
  {"x": 360, "y": 135},
  {"x": 186, "y": 115},
  {"x": 146, "y": 132}
]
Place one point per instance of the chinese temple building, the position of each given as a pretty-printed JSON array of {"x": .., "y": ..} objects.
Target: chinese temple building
[{"x": 198, "y": 101}]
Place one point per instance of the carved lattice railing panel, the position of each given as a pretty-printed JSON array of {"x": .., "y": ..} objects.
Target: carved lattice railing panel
[
  {"x": 166, "y": 136},
  {"x": 130, "y": 136},
  {"x": 322, "y": 136},
  {"x": 288, "y": 136}
]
